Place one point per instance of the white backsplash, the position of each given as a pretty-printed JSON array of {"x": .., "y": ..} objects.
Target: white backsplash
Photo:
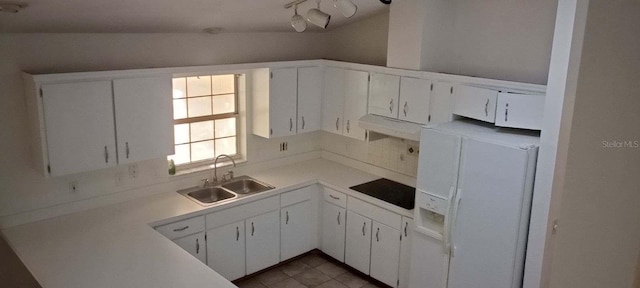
[{"x": 389, "y": 153}]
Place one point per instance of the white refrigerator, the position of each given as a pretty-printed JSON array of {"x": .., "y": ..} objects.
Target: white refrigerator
[{"x": 473, "y": 198}]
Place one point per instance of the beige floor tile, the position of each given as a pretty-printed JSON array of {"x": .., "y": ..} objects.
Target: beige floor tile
[
  {"x": 312, "y": 277},
  {"x": 288, "y": 283},
  {"x": 294, "y": 268},
  {"x": 332, "y": 284},
  {"x": 331, "y": 269},
  {"x": 271, "y": 276},
  {"x": 351, "y": 280},
  {"x": 314, "y": 260}
]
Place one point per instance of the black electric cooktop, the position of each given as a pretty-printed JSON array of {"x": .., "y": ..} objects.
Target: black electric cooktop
[{"x": 389, "y": 191}]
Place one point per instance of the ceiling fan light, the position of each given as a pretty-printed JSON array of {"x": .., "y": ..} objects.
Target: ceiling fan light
[{"x": 346, "y": 7}]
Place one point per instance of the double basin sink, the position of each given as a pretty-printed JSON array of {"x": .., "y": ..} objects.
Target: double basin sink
[{"x": 228, "y": 190}]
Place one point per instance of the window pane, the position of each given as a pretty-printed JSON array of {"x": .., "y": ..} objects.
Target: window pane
[
  {"x": 202, "y": 150},
  {"x": 198, "y": 86},
  {"x": 226, "y": 146},
  {"x": 201, "y": 131},
  {"x": 223, "y": 84},
  {"x": 179, "y": 87},
  {"x": 224, "y": 104},
  {"x": 200, "y": 106},
  {"x": 182, "y": 155},
  {"x": 179, "y": 109},
  {"x": 181, "y": 133},
  {"x": 225, "y": 127}
]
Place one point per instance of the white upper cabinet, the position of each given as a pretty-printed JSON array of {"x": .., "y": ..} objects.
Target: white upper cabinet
[
  {"x": 356, "y": 89},
  {"x": 441, "y": 102},
  {"x": 333, "y": 100},
  {"x": 474, "y": 102},
  {"x": 275, "y": 102},
  {"x": 309, "y": 98},
  {"x": 415, "y": 96},
  {"x": 144, "y": 118},
  {"x": 80, "y": 133},
  {"x": 385, "y": 91},
  {"x": 520, "y": 110}
]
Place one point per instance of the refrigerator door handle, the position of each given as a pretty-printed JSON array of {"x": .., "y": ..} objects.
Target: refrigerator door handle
[
  {"x": 454, "y": 220},
  {"x": 447, "y": 221}
]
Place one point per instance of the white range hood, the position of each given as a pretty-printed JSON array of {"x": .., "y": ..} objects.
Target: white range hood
[{"x": 392, "y": 127}]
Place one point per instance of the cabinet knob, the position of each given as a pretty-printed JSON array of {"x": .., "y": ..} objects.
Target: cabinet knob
[
  {"x": 486, "y": 108},
  {"x": 287, "y": 218},
  {"x": 363, "y": 226},
  {"x": 506, "y": 112},
  {"x": 391, "y": 106},
  {"x": 378, "y": 235},
  {"x": 106, "y": 154},
  {"x": 405, "y": 109},
  {"x": 197, "y": 246},
  {"x": 348, "y": 126},
  {"x": 302, "y": 122},
  {"x": 337, "y": 121},
  {"x": 339, "y": 217},
  {"x": 253, "y": 229},
  {"x": 290, "y": 124},
  {"x": 237, "y": 233},
  {"x": 126, "y": 144}
]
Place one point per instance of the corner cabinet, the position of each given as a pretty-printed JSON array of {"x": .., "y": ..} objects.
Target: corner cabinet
[
  {"x": 345, "y": 101},
  {"x": 74, "y": 122}
]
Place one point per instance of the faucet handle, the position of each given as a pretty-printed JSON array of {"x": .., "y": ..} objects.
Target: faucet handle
[
  {"x": 205, "y": 182},
  {"x": 228, "y": 176}
]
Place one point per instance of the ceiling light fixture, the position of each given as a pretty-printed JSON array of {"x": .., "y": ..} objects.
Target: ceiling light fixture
[
  {"x": 316, "y": 17},
  {"x": 346, "y": 7},
  {"x": 297, "y": 22},
  {"x": 12, "y": 7}
]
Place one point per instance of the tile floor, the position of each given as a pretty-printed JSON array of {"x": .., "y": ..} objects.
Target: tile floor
[{"x": 312, "y": 270}]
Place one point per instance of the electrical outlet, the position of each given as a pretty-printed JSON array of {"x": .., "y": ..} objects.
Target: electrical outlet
[
  {"x": 284, "y": 146},
  {"x": 133, "y": 171},
  {"x": 73, "y": 187}
]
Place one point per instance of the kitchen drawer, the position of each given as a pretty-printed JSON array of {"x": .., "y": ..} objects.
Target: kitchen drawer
[
  {"x": 182, "y": 228},
  {"x": 238, "y": 213},
  {"x": 474, "y": 102},
  {"x": 376, "y": 213},
  {"x": 335, "y": 197},
  {"x": 523, "y": 111},
  {"x": 296, "y": 196}
]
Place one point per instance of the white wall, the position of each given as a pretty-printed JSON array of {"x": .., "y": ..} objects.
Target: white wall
[
  {"x": 362, "y": 42},
  {"x": 597, "y": 243},
  {"x": 23, "y": 189}
]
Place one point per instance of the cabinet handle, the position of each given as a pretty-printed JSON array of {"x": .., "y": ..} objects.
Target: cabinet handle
[
  {"x": 378, "y": 235},
  {"x": 106, "y": 155},
  {"x": 339, "y": 217},
  {"x": 363, "y": 226},
  {"x": 391, "y": 106},
  {"x": 197, "y": 246},
  {"x": 237, "y": 233},
  {"x": 486, "y": 108},
  {"x": 126, "y": 144},
  {"x": 302, "y": 122},
  {"x": 506, "y": 113},
  {"x": 290, "y": 124},
  {"x": 286, "y": 222},
  {"x": 348, "y": 122},
  {"x": 337, "y": 121},
  {"x": 253, "y": 229},
  {"x": 405, "y": 108},
  {"x": 405, "y": 228},
  {"x": 181, "y": 229},
  {"x": 334, "y": 197}
]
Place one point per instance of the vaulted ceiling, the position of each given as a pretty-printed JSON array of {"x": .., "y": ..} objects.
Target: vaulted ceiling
[{"x": 170, "y": 16}]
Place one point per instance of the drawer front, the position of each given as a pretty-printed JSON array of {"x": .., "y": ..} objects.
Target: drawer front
[
  {"x": 376, "y": 213},
  {"x": 474, "y": 102},
  {"x": 239, "y": 213},
  {"x": 182, "y": 228},
  {"x": 296, "y": 196},
  {"x": 335, "y": 197},
  {"x": 523, "y": 111}
]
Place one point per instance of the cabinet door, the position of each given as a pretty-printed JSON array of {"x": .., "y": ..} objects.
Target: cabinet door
[
  {"x": 356, "y": 90},
  {"x": 405, "y": 252},
  {"x": 333, "y": 100},
  {"x": 309, "y": 98},
  {"x": 358, "y": 244},
  {"x": 440, "y": 107},
  {"x": 385, "y": 254},
  {"x": 333, "y": 230},
  {"x": 226, "y": 250},
  {"x": 476, "y": 103},
  {"x": 520, "y": 111},
  {"x": 263, "y": 241},
  {"x": 295, "y": 237},
  {"x": 429, "y": 263},
  {"x": 79, "y": 126},
  {"x": 283, "y": 88},
  {"x": 195, "y": 245},
  {"x": 144, "y": 118},
  {"x": 415, "y": 95},
  {"x": 383, "y": 99}
]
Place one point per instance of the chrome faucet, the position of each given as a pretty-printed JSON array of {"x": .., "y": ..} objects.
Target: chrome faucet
[{"x": 215, "y": 168}]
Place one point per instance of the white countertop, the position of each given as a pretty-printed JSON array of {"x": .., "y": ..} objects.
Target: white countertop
[{"x": 116, "y": 246}]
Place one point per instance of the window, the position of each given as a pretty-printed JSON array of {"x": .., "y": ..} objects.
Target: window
[{"x": 205, "y": 118}]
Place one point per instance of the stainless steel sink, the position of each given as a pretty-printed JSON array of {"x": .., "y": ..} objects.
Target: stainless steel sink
[
  {"x": 208, "y": 195},
  {"x": 246, "y": 185}
]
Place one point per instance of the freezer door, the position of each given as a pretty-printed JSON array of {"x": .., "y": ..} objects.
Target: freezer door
[
  {"x": 438, "y": 162},
  {"x": 491, "y": 203}
]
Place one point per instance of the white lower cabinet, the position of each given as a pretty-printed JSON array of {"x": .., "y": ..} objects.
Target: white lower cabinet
[
  {"x": 358, "y": 245},
  {"x": 194, "y": 244},
  {"x": 405, "y": 252},
  {"x": 333, "y": 230},
  {"x": 263, "y": 241},
  {"x": 295, "y": 223},
  {"x": 226, "y": 250},
  {"x": 385, "y": 254}
]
